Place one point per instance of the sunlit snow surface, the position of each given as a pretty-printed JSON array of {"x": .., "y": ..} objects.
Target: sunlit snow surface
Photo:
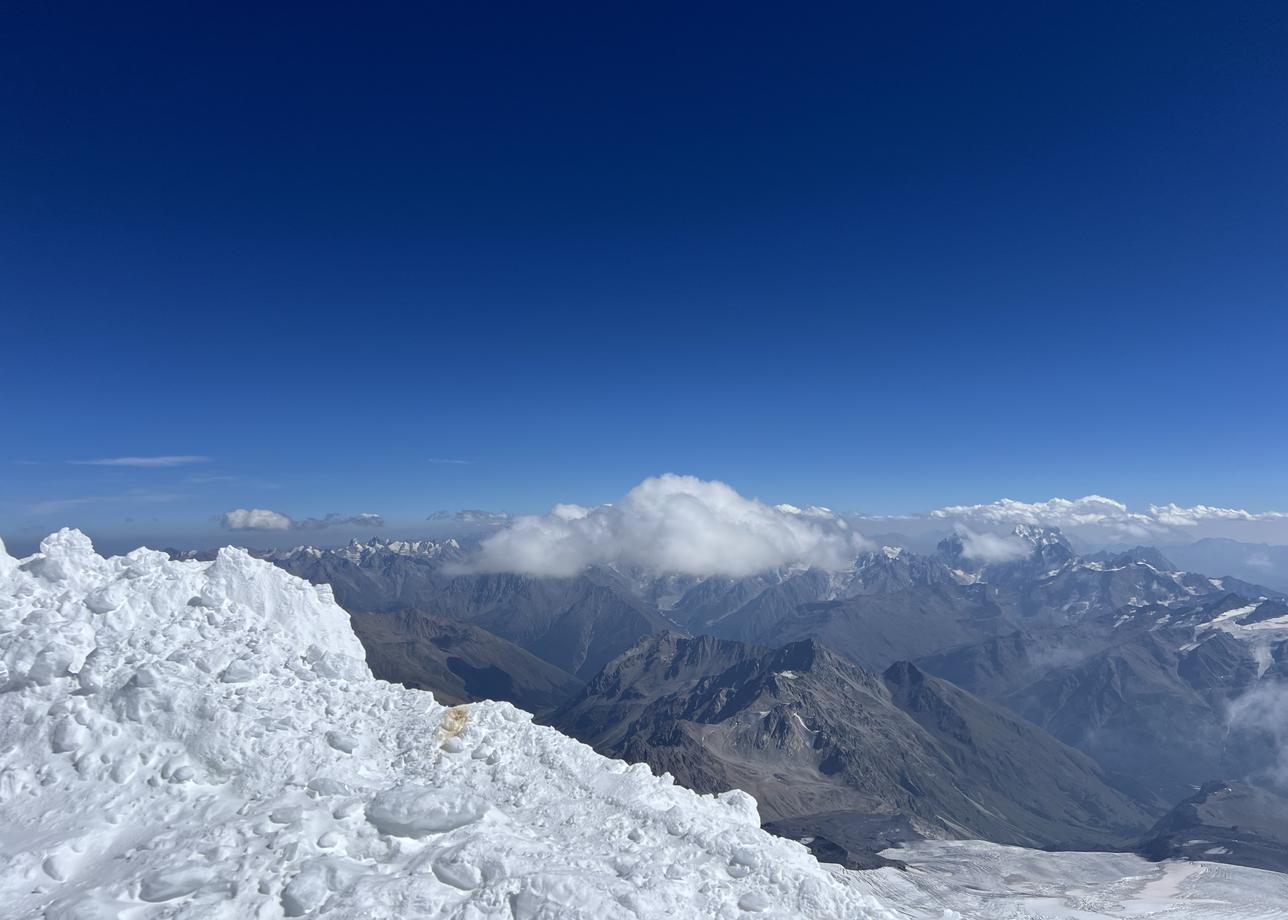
[
  {"x": 204, "y": 740},
  {"x": 986, "y": 880}
]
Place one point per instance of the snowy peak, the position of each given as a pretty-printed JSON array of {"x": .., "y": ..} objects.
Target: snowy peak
[
  {"x": 361, "y": 552},
  {"x": 428, "y": 549},
  {"x": 892, "y": 569},
  {"x": 1042, "y": 536}
]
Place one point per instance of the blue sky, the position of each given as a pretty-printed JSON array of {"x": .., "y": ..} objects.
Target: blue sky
[{"x": 881, "y": 258}]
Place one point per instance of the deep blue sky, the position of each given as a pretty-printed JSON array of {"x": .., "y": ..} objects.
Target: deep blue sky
[{"x": 880, "y": 257}]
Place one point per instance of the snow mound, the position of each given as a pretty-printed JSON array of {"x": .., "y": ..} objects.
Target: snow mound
[{"x": 204, "y": 740}]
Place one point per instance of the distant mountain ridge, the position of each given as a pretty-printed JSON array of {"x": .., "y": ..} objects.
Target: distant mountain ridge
[
  {"x": 813, "y": 736},
  {"x": 1224, "y": 822}
]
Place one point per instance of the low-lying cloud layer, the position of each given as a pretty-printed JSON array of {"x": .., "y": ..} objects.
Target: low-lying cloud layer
[
  {"x": 471, "y": 516},
  {"x": 674, "y": 524},
  {"x": 263, "y": 519},
  {"x": 1097, "y": 511}
]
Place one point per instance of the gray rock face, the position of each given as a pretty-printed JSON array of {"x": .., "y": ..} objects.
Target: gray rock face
[
  {"x": 1224, "y": 822},
  {"x": 814, "y": 738},
  {"x": 1149, "y": 555}
]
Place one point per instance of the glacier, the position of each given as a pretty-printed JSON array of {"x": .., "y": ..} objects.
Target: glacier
[{"x": 183, "y": 739}]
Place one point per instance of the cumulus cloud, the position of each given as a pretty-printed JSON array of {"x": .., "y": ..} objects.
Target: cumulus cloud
[
  {"x": 673, "y": 524},
  {"x": 254, "y": 519},
  {"x": 1097, "y": 511},
  {"x": 167, "y": 460},
  {"x": 991, "y": 548},
  {"x": 263, "y": 519}
]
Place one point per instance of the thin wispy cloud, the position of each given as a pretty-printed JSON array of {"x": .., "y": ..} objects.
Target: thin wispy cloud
[
  {"x": 161, "y": 461},
  {"x": 449, "y": 460},
  {"x": 472, "y": 516},
  {"x": 139, "y": 496},
  {"x": 54, "y": 505}
]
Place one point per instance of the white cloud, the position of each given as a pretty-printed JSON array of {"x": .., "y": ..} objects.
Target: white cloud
[
  {"x": 674, "y": 524},
  {"x": 813, "y": 511},
  {"x": 1099, "y": 512},
  {"x": 168, "y": 460},
  {"x": 1090, "y": 510},
  {"x": 1174, "y": 515},
  {"x": 991, "y": 547},
  {"x": 254, "y": 519},
  {"x": 263, "y": 519}
]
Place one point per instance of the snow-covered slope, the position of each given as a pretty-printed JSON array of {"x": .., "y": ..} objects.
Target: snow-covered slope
[
  {"x": 992, "y": 882},
  {"x": 203, "y": 739}
]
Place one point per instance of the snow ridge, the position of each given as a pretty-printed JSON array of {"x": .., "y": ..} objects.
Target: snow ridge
[{"x": 204, "y": 740}]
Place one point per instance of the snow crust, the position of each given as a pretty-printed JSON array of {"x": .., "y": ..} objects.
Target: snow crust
[
  {"x": 204, "y": 740},
  {"x": 988, "y": 880}
]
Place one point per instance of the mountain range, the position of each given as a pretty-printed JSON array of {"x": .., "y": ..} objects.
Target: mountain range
[
  {"x": 1142, "y": 681},
  {"x": 822, "y": 743}
]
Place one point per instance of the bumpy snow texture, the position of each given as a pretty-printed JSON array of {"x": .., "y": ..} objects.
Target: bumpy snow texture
[{"x": 188, "y": 739}]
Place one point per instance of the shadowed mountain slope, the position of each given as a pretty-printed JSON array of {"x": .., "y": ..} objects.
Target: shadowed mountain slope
[
  {"x": 459, "y": 663},
  {"x": 811, "y": 734}
]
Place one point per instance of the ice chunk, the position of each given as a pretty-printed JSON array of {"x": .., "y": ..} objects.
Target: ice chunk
[
  {"x": 412, "y": 810},
  {"x": 342, "y": 742},
  {"x": 168, "y": 884}
]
